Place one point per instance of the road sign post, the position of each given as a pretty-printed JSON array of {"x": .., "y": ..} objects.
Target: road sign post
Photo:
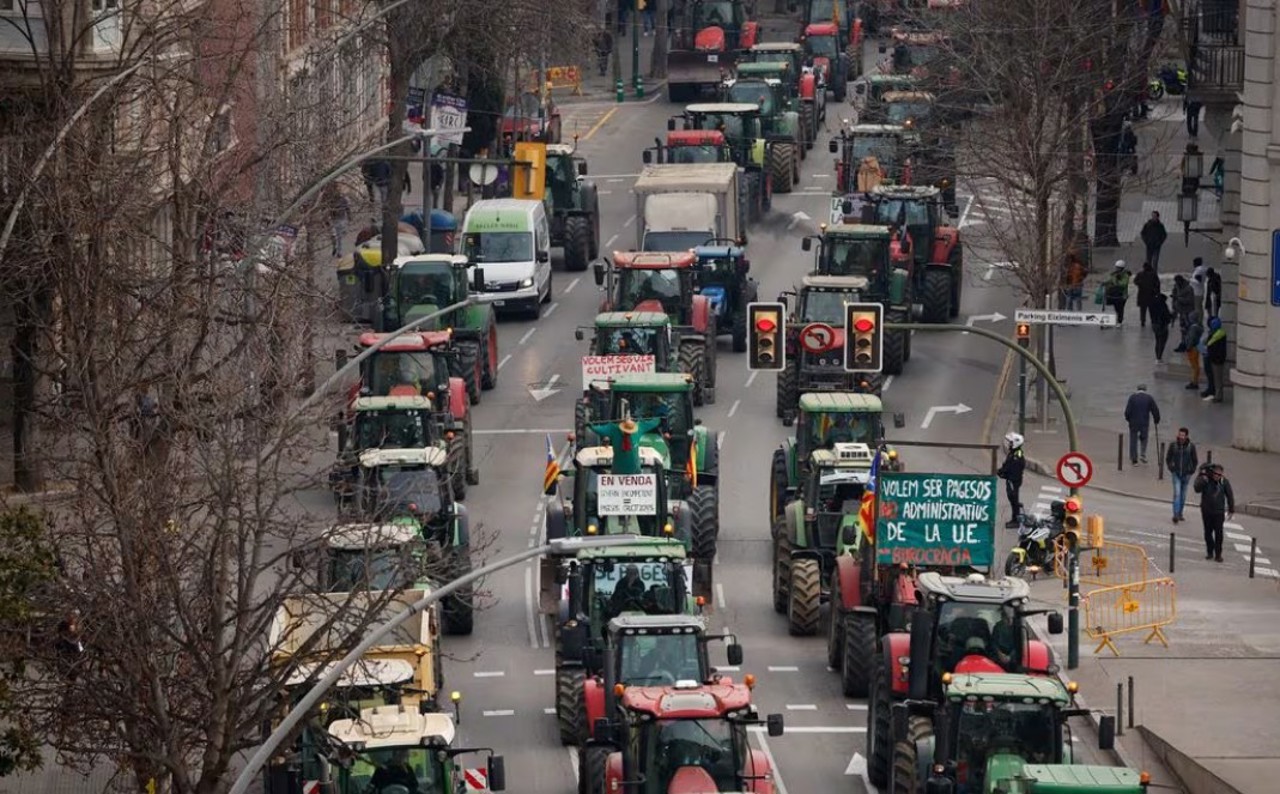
[{"x": 1055, "y": 317}]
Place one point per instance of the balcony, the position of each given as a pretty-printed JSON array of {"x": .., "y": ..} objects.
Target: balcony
[{"x": 1215, "y": 73}]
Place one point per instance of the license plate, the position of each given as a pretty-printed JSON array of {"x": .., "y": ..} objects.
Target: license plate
[
  {"x": 713, "y": 58},
  {"x": 499, "y": 303}
]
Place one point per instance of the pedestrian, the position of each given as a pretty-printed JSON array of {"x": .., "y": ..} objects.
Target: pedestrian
[
  {"x": 1199, "y": 273},
  {"x": 649, "y": 21},
  {"x": 1217, "y": 503},
  {"x": 1140, "y": 411},
  {"x": 1116, "y": 290},
  {"x": 1161, "y": 319},
  {"x": 379, "y": 175},
  {"x": 1074, "y": 282},
  {"x": 1193, "y": 116},
  {"x": 1153, "y": 236},
  {"x": 1215, "y": 356},
  {"x": 1212, "y": 292},
  {"x": 1184, "y": 309},
  {"x": 1194, "y": 333},
  {"x": 339, "y": 212},
  {"x": 1148, "y": 284},
  {"x": 1129, "y": 148},
  {"x": 367, "y": 171},
  {"x": 1181, "y": 461},
  {"x": 624, "y": 10},
  {"x": 1011, "y": 472},
  {"x": 603, "y": 43}
]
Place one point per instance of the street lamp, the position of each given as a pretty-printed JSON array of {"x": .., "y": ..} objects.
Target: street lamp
[
  {"x": 1189, "y": 198},
  {"x": 559, "y": 546}
]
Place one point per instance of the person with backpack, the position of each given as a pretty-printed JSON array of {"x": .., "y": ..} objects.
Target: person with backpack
[
  {"x": 1161, "y": 319},
  {"x": 1116, "y": 290},
  {"x": 1148, "y": 284},
  {"x": 1193, "y": 338},
  {"x": 1215, "y": 355},
  {"x": 1184, "y": 309},
  {"x": 1212, "y": 292}
]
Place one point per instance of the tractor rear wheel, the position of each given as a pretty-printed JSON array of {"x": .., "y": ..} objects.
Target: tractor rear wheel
[
  {"x": 458, "y": 614},
  {"x": 577, "y": 243},
  {"x": 957, "y": 281},
  {"x": 489, "y": 359},
  {"x": 779, "y": 479},
  {"x": 472, "y": 473},
  {"x": 781, "y": 167},
  {"x": 593, "y": 762},
  {"x": 879, "y": 736},
  {"x": 458, "y": 466},
  {"x": 781, "y": 569},
  {"x": 858, "y": 654},
  {"x": 804, "y": 597},
  {"x": 788, "y": 393},
  {"x": 704, "y": 506},
  {"x": 692, "y": 358},
  {"x": 469, "y": 369},
  {"x": 835, "y": 623},
  {"x": 808, "y": 124},
  {"x": 895, "y": 345},
  {"x": 936, "y": 296},
  {"x": 906, "y": 757},
  {"x": 571, "y": 706}
]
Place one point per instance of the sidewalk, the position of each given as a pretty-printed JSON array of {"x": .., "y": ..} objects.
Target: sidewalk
[{"x": 596, "y": 87}]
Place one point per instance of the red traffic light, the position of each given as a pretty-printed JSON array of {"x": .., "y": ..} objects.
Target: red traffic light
[
  {"x": 766, "y": 325},
  {"x": 863, "y": 325},
  {"x": 1073, "y": 505}
]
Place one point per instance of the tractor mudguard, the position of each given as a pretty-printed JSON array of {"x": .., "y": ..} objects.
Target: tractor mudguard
[
  {"x": 557, "y": 521},
  {"x": 1037, "y": 657},
  {"x": 683, "y": 523},
  {"x": 588, "y": 200},
  {"x": 552, "y": 598},
  {"x": 758, "y": 773},
  {"x": 808, "y": 86},
  {"x": 749, "y": 36},
  {"x": 573, "y": 642},
  {"x": 593, "y": 699},
  {"x": 850, "y": 572},
  {"x": 789, "y": 126},
  {"x": 899, "y": 281},
  {"x": 458, "y": 402},
  {"x": 793, "y": 462},
  {"x": 702, "y": 311},
  {"x": 945, "y": 239},
  {"x": 474, "y": 321},
  {"x": 702, "y": 437},
  {"x": 897, "y": 646},
  {"x": 794, "y": 512},
  {"x": 758, "y": 151},
  {"x": 904, "y": 590},
  {"x": 461, "y": 526}
]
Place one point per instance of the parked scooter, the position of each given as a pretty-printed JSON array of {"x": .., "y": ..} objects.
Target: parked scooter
[{"x": 1036, "y": 536}]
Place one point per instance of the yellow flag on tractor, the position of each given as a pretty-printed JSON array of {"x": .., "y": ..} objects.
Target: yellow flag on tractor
[
  {"x": 691, "y": 467},
  {"x": 552, "y": 473}
]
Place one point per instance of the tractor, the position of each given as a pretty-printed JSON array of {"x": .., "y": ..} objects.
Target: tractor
[
  {"x": 689, "y": 146},
  {"x": 869, "y": 92},
  {"x": 833, "y": 65},
  {"x": 411, "y": 487},
  {"x": 621, "y": 342},
  {"x": 819, "y": 525},
  {"x": 825, "y": 418},
  {"x": 739, "y": 125},
  {"x": 403, "y": 423},
  {"x": 802, "y": 80},
  {"x": 870, "y": 253},
  {"x": 870, "y": 155},
  {"x": 574, "y": 207},
  {"x": 815, "y": 344},
  {"x": 959, "y": 624},
  {"x": 1000, "y": 732},
  {"x": 847, "y": 27},
  {"x": 687, "y": 737},
  {"x": 422, "y": 285},
  {"x": 704, "y": 43},
  {"x": 667, "y": 283},
  {"x": 720, "y": 275},
  {"x": 931, "y": 244},
  {"x": 780, "y": 125}
]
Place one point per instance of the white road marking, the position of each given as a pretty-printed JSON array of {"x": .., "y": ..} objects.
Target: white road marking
[
  {"x": 720, "y": 595},
  {"x": 528, "y": 334},
  {"x": 572, "y": 284},
  {"x": 1051, "y": 488},
  {"x": 733, "y": 409},
  {"x": 604, "y": 192},
  {"x": 489, "y": 674},
  {"x": 752, "y": 378},
  {"x": 610, "y": 241},
  {"x": 549, "y": 710},
  {"x": 720, "y": 439},
  {"x": 623, "y": 177},
  {"x": 856, "y": 706},
  {"x": 551, "y": 309},
  {"x": 1243, "y": 548},
  {"x": 545, "y": 672},
  {"x": 629, "y": 221},
  {"x": 759, "y": 731},
  {"x": 968, "y": 205},
  {"x": 1237, "y": 535},
  {"x": 801, "y": 707},
  {"x": 500, "y": 713},
  {"x": 1232, "y": 525},
  {"x": 615, "y": 181},
  {"x": 1039, "y": 506},
  {"x": 1274, "y": 574},
  {"x": 573, "y": 759},
  {"x": 1262, "y": 561},
  {"x": 884, "y": 387},
  {"x": 519, "y": 431},
  {"x": 783, "y": 668},
  {"x": 528, "y": 606},
  {"x": 504, "y": 360},
  {"x": 728, "y": 668}
]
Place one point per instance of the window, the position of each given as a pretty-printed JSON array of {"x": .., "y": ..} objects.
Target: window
[
  {"x": 220, "y": 137},
  {"x": 98, "y": 5},
  {"x": 6, "y": 5}
]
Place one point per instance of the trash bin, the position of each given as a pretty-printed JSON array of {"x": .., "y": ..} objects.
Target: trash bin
[
  {"x": 444, "y": 230},
  {"x": 359, "y": 278}
]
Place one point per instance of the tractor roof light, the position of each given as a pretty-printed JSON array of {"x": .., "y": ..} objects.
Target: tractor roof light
[
  {"x": 455, "y": 696},
  {"x": 1073, "y": 687},
  {"x": 591, "y": 529},
  {"x": 864, "y": 325},
  {"x": 668, "y": 529},
  {"x": 701, "y": 601},
  {"x": 619, "y": 690}
]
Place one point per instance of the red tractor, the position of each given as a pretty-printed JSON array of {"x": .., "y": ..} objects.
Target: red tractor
[
  {"x": 704, "y": 44},
  {"x": 667, "y": 282},
  {"x": 928, "y": 238},
  {"x": 530, "y": 117},
  {"x": 837, "y": 66},
  {"x": 689, "y": 738},
  {"x": 690, "y": 146}
]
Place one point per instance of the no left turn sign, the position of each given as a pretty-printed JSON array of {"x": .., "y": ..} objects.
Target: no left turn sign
[
  {"x": 1074, "y": 469},
  {"x": 818, "y": 338}
]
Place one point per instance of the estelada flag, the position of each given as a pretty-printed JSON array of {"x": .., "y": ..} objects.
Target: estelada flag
[
  {"x": 867, "y": 509},
  {"x": 553, "y": 467},
  {"x": 691, "y": 467}
]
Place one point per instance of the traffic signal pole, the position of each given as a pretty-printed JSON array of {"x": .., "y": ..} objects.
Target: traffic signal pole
[{"x": 1073, "y": 553}]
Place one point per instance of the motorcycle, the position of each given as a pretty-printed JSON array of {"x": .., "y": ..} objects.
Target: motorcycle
[
  {"x": 1036, "y": 536},
  {"x": 1169, "y": 79}
]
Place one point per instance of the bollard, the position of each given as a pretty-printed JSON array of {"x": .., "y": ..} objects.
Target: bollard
[
  {"x": 1120, "y": 709},
  {"x": 1131, "y": 701},
  {"x": 1173, "y": 547},
  {"x": 1253, "y": 556},
  {"x": 1208, "y": 456},
  {"x": 619, "y": 90},
  {"x": 1160, "y": 461},
  {"x": 1120, "y": 452}
]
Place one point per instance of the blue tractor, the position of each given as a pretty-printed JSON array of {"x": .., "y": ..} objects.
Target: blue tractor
[{"x": 721, "y": 276}]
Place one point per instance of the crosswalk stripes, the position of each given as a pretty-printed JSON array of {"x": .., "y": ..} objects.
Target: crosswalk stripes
[{"x": 1045, "y": 497}]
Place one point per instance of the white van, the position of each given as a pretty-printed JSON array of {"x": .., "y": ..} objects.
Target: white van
[{"x": 511, "y": 241}]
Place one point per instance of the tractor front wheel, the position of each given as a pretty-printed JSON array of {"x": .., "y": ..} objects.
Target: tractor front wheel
[
  {"x": 936, "y": 296},
  {"x": 781, "y": 569},
  {"x": 858, "y": 653},
  {"x": 835, "y": 624},
  {"x": 788, "y": 396},
  {"x": 581, "y": 418},
  {"x": 879, "y": 738},
  {"x": 691, "y": 361},
  {"x": 571, "y": 707},
  {"x": 459, "y": 464},
  {"x": 957, "y": 281},
  {"x": 808, "y": 126},
  {"x": 781, "y": 167},
  {"x": 804, "y": 597},
  {"x": 779, "y": 479},
  {"x": 906, "y": 757},
  {"x": 489, "y": 359},
  {"x": 895, "y": 345},
  {"x": 470, "y": 370},
  {"x": 458, "y": 614},
  {"x": 704, "y": 506},
  {"x": 577, "y": 243}
]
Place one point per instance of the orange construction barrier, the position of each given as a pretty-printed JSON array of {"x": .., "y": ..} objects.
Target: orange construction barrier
[
  {"x": 564, "y": 77},
  {"x": 1113, "y": 564},
  {"x": 1148, "y": 605}
]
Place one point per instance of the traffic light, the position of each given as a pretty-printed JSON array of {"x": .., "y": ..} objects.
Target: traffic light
[
  {"x": 1073, "y": 521},
  {"x": 1024, "y": 334},
  {"x": 766, "y": 349},
  {"x": 863, "y": 337}
]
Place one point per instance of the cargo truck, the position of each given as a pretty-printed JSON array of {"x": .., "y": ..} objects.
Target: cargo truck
[{"x": 681, "y": 206}]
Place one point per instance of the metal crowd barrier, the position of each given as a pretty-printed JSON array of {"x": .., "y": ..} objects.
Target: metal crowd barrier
[{"x": 1147, "y": 605}]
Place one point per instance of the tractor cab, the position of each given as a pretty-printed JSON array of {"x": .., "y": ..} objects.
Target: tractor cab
[
  {"x": 758, "y": 84},
  {"x": 833, "y": 490},
  {"x": 406, "y": 485},
  {"x": 870, "y": 92},
  {"x": 788, "y": 53},
  {"x": 773, "y": 68},
  {"x": 822, "y": 40},
  {"x": 869, "y": 155},
  {"x": 373, "y": 557},
  {"x": 652, "y": 282},
  {"x": 693, "y": 146},
  {"x": 916, "y": 211},
  {"x": 564, "y": 171},
  {"x": 738, "y": 123},
  {"x": 830, "y": 418},
  {"x": 411, "y": 365},
  {"x": 634, "y": 333},
  {"x": 718, "y": 23},
  {"x": 392, "y": 423},
  {"x": 822, "y": 300},
  {"x": 659, "y": 651},
  {"x": 639, "y": 509},
  {"x": 909, "y": 109},
  {"x": 424, "y": 284},
  {"x": 721, "y": 276},
  {"x": 614, "y": 587},
  {"x": 914, "y": 49},
  {"x": 664, "y": 395},
  {"x": 393, "y": 750},
  {"x": 853, "y": 249}
]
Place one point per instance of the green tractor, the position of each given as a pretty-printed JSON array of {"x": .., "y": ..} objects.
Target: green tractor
[
  {"x": 758, "y": 84},
  {"x": 422, "y": 285},
  {"x": 740, "y": 125},
  {"x": 869, "y": 95},
  {"x": 573, "y": 207},
  {"x": 804, "y": 87},
  {"x": 621, "y": 343},
  {"x": 870, "y": 253},
  {"x": 825, "y": 418},
  {"x": 817, "y": 526},
  {"x": 1001, "y": 732}
]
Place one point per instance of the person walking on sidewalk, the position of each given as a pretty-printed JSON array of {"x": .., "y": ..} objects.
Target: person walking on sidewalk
[
  {"x": 1116, "y": 290},
  {"x": 1198, "y": 275},
  {"x": 1215, "y": 361},
  {"x": 1194, "y": 332},
  {"x": 1140, "y": 411},
  {"x": 1148, "y": 284},
  {"x": 1161, "y": 318},
  {"x": 1184, "y": 308},
  {"x": 1153, "y": 236},
  {"x": 1212, "y": 292},
  {"x": 1181, "y": 461},
  {"x": 1217, "y": 504},
  {"x": 1011, "y": 471},
  {"x": 1193, "y": 116},
  {"x": 1074, "y": 283}
]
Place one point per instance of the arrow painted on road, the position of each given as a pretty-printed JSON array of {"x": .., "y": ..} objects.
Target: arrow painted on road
[
  {"x": 798, "y": 218},
  {"x": 858, "y": 768},
  {"x": 958, "y": 409},
  {"x": 546, "y": 391},
  {"x": 985, "y": 318}
]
